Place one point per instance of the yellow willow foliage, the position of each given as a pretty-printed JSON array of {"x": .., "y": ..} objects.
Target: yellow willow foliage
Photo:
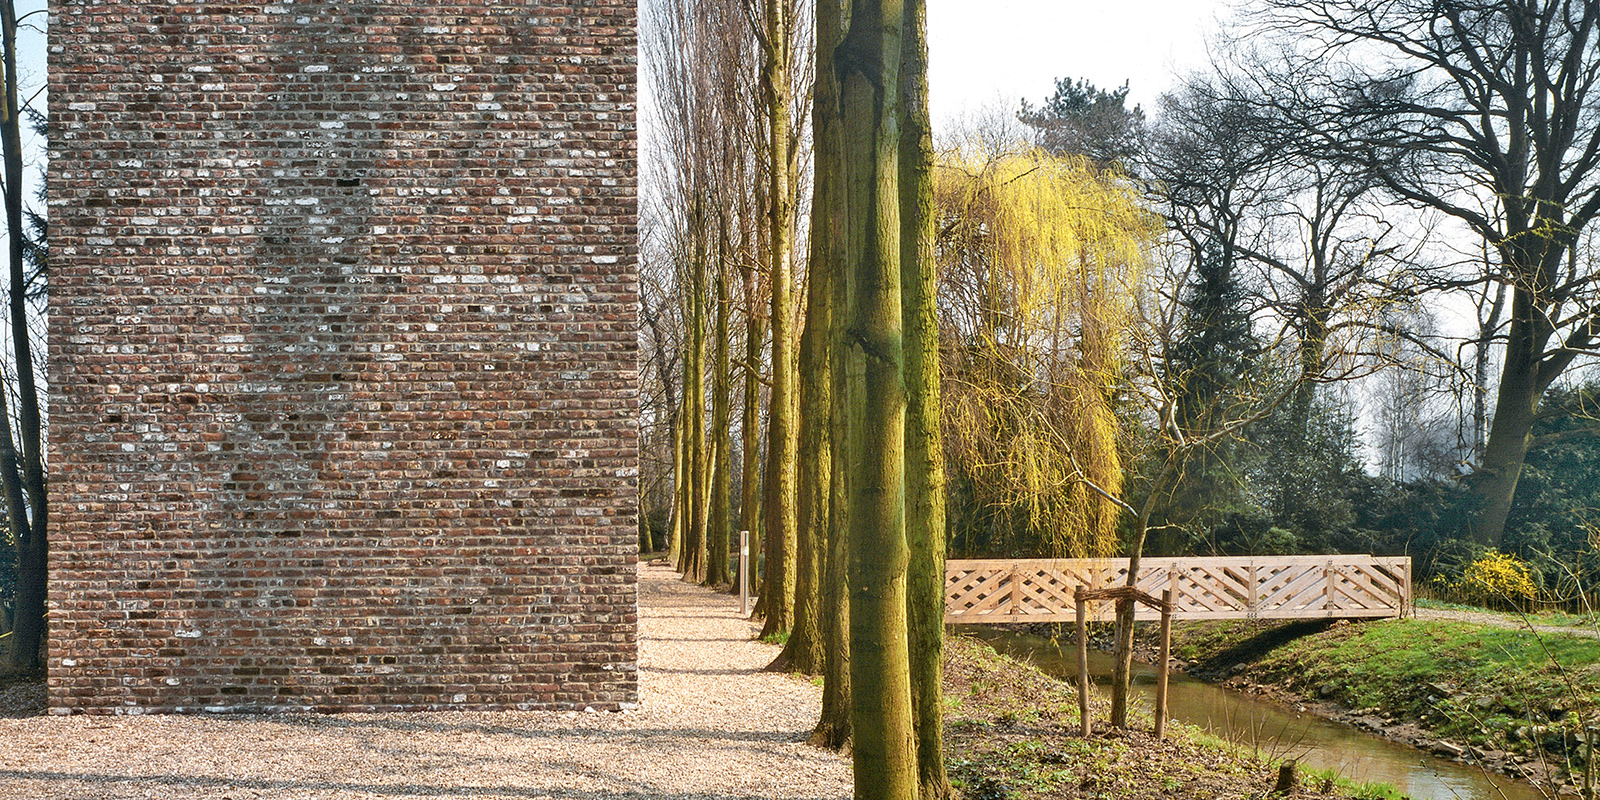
[{"x": 1040, "y": 257}]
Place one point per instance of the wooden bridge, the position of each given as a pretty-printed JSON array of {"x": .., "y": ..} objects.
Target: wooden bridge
[{"x": 1243, "y": 587}]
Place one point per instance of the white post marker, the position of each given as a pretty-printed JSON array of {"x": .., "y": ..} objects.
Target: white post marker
[{"x": 744, "y": 573}]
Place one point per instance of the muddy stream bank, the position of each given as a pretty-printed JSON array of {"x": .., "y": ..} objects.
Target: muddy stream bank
[{"x": 1281, "y": 730}]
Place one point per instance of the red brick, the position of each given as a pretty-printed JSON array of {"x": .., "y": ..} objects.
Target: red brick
[{"x": 342, "y": 355}]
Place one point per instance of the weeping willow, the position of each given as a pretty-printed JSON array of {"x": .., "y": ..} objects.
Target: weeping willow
[{"x": 1039, "y": 256}]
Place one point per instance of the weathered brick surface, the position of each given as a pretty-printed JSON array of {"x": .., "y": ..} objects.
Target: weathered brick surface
[{"x": 343, "y": 338}]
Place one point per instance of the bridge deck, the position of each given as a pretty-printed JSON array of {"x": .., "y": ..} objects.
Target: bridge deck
[{"x": 1237, "y": 587}]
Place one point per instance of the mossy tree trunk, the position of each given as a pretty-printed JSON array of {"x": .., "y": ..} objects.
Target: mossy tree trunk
[
  {"x": 868, "y": 65},
  {"x": 750, "y": 422},
  {"x": 678, "y": 519},
  {"x": 828, "y": 223},
  {"x": 693, "y": 563},
  {"x": 782, "y": 433},
  {"x": 717, "y": 530},
  {"x": 925, "y": 477},
  {"x": 806, "y": 648}
]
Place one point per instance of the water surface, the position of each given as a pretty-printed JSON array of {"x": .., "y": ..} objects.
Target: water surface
[{"x": 1279, "y": 731}]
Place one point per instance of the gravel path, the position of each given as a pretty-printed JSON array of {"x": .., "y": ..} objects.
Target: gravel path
[
  {"x": 710, "y": 725},
  {"x": 1500, "y": 620}
]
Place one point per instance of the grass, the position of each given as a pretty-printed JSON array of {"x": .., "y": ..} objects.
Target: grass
[
  {"x": 1456, "y": 676},
  {"x": 1328, "y": 782}
]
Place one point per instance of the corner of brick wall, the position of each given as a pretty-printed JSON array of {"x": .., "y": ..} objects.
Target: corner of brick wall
[{"x": 343, "y": 330}]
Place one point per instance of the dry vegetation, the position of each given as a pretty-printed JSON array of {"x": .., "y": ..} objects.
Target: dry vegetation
[{"x": 1012, "y": 735}]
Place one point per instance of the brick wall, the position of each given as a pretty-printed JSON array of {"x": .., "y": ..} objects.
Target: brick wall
[{"x": 342, "y": 355}]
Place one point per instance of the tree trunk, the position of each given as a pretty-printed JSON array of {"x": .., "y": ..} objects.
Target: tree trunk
[
  {"x": 672, "y": 408},
  {"x": 750, "y": 428},
  {"x": 833, "y": 729},
  {"x": 1526, "y": 373},
  {"x": 868, "y": 59},
  {"x": 805, "y": 650},
  {"x": 925, "y": 478},
  {"x": 828, "y": 225},
  {"x": 782, "y": 438},
  {"x": 678, "y": 520},
  {"x": 693, "y": 564},
  {"x": 1480, "y": 371},
  {"x": 29, "y": 520},
  {"x": 1122, "y": 669},
  {"x": 1516, "y": 403},
  {"x": 1312, "y": 348},
  {"x": 717, "y": 531}
]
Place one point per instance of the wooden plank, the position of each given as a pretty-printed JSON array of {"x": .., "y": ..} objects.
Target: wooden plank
[
  {"x": 1216, "y": 561},
  {"x": 1368, "y": 592},
  {"x": 1230, "y": 587},
  {"x": 1378, "y": 583},
  {"x": 1295, "y": 593},
  {"x": 1219, "y": 586},
  {"x": 983, "y": 585},
  {"x": 976, "y": 598},
  {"x": 1056, "y": 586}
]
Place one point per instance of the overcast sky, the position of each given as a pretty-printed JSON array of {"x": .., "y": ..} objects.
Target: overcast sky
[
  {"x": 984, "y": 51},
  {"x": 989, "y": 51}
]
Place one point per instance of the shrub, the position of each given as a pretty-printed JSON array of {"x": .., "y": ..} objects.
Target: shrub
[{"x": 1497, "y": 579}]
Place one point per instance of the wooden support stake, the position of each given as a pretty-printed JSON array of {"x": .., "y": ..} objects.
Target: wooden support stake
[
  {"x": 1083, "y": 661},
  {"x": 1286, "y": 780},
  {"x": 1161, "y": 661},
  {"x": 1588, "y": 763}
]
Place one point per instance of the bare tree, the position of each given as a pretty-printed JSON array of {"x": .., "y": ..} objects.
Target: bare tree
[
  {"x": 21, "y": 455},
  {"x": 774, "y": 25},
  {"x": 1484, "y": 111},
  {"x": 698, "y": 222}
]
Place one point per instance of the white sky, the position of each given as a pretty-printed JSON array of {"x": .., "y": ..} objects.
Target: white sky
[{"x": 986, "y": 51}]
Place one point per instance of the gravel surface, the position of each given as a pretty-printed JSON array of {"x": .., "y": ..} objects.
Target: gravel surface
[
  {"x": 1499, "y": 620},
  {"x": 710, "y": 725}
]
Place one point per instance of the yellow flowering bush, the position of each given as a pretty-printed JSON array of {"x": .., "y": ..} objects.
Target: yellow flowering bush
[{"x": 1497, "y": 579}]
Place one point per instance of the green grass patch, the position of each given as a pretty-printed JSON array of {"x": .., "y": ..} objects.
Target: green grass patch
[
  {"x": 1464, "y": 680},
  {"x": 1326, "y": 781}
]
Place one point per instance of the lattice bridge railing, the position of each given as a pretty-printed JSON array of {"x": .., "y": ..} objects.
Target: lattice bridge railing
[{"x": 1231, "y": 587}]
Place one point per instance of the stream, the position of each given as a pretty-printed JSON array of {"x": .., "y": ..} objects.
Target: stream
[{"x": 1278, "y": 731}]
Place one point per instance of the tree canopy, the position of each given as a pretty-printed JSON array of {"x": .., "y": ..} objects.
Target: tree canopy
[{"x": 1039, "y": 256}]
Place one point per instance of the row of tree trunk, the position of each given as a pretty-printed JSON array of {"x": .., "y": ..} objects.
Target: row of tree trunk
[{"x": 851, "y": 494}]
